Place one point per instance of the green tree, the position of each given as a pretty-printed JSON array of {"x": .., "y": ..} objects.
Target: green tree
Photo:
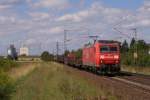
[
  {"x": 143, "y": 57},
  {"x": 78, "y": 53},
  {"x": 142, "y": 46},
  {"x": 67, "y": 52},
  {"x": 124, "y": 53},
  {"x": 132, "y": 42},
  {"x": 45, "y": 56},
  {"x": 125, "y": 46}
]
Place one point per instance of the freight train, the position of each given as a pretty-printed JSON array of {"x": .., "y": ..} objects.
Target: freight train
[{"x": 101, "y": 56}]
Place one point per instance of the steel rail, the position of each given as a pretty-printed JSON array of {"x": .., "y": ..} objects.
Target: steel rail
[{"x": 140, "y": 85}]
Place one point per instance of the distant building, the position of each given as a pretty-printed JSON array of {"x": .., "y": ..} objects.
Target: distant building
[
  {"x": 24, "y": 51},
  {"x": 11, "y": 52}
]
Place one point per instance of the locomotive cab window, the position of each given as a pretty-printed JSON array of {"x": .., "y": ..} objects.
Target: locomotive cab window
[
  {"x": 104, "y": 49},
  {"x": 113, "y": 49}
]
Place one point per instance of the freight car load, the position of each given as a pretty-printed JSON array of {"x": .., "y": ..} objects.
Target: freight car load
[{"x": 103, "y": 56}]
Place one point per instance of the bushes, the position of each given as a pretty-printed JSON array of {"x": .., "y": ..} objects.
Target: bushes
[
  {"x": 6, "y": 86},
  {"x": 141, "y": 48},
  {"x": 6, "y": 64},
  {"x": 45, "y": 56},
  {"x": 143, "y": 60}
]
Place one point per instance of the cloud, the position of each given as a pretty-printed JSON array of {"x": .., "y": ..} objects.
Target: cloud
[
  {"x": 138, "y": 24},
  {"x": 9, "y": 3},
  {"x": 96, "y": 11},
  {"x": 39, "y": 15},
  {"x": 41, "y": 26},
  {"x": 56, "y": 30},
  {"x": 145, "y": 7},
  {"x": 57, "y": 4},
  {"x": 4, "y": 7},
  {"x": 77, "y": 17},
  {"x": 103, "y": 19},
  {"x": 140, "y": 18},
  {"x": 4, "y": 19}
]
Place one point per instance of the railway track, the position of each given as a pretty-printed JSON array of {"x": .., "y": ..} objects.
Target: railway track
[
  {"x": 137, "y": 75},
  {"x": 137, "y": 85},
  {"x": 139, "y": 81},
  {"x": 126, "y": 86},
  {"x": 135, "y": 79}
]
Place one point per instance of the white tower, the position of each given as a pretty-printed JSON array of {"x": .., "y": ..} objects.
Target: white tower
[{"x": 24, "y": 51}]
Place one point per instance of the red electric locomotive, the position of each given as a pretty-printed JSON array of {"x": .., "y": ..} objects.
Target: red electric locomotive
[{"x": 103, "y": 56}]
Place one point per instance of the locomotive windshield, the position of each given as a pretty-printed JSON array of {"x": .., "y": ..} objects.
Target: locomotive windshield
[{"x": 104, "y": 49}]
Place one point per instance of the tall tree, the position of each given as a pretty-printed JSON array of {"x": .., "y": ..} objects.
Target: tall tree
[
  {"x": 142, "y": 45},
  {"x": 45, "y": 56},
  {"x": 125, "y": 46},
  {"x": 132, "y": 43}
]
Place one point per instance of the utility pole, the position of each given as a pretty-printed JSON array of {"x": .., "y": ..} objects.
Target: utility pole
[
  {"x": 40, "y": 48},
  {"x": 57, "y": 50},
  {"x": 94, "y": 38},
  {"x": 65, "y": 45},
  {"x": 135, "y": 33},
  {"x": 136, "y": 44},
  {"x": 65, "y": 40}
]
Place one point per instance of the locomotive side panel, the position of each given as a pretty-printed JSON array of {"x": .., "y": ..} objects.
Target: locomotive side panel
[{"x": 88, "y": 58}]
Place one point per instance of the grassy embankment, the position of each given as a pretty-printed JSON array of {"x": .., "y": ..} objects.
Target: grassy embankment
[
  {"x": 137, "y": 69},
  {"x": 50, "y": 81},
  {"x": 10, "y": 72},
  {"x": 7, "y": 86},
  {"x": 22, "y": 70}
]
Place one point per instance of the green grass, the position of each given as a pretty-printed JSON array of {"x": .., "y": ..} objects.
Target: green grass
[
  {"x": 6, "y": 64},
  {"x": 52, "y": 82},
  {"x": 7, "y": 86}
]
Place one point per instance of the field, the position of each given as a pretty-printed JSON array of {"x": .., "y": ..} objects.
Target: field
[
  {"x": 53, "y": 81},
  {"x": 50, "y": 81},
  {"x": 29, "y": 58}
]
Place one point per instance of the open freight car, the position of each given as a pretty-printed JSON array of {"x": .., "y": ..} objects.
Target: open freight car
[
  {"x": 73, "y": 60},
  {"x": 102, "y": 56}
]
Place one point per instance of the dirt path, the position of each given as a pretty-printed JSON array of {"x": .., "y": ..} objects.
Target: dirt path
[{"x": 22, "y": 70}]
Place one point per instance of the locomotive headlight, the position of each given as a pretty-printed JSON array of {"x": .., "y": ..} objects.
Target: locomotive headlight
[
  {"x": 116, "y": 57},
  {"x": 117, "y": 61},
  {"x": 102, "y": 57},
  {"x": 101, "y": 61}
]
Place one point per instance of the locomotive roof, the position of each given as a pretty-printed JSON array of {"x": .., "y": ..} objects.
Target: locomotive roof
[
  {"x": 107, "y": 41},
  {"x": 103, "y": 41}
]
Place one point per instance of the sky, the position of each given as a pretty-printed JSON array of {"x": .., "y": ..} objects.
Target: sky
[{"x": 39, "y": 24}]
